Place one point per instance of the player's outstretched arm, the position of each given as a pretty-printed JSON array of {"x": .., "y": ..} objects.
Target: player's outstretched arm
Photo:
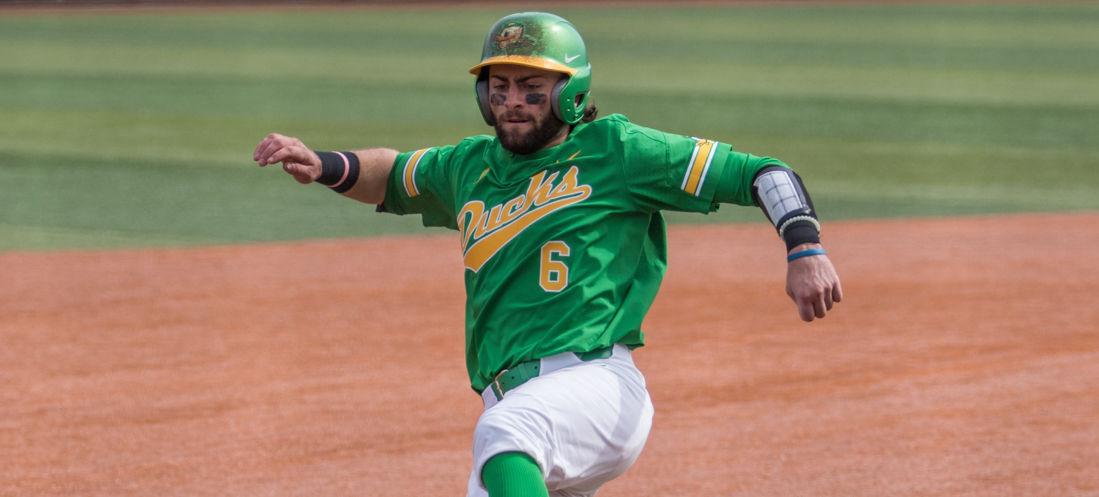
[
  {"x": 812, "y": 282},
  {"x": 361, "y": 176}
]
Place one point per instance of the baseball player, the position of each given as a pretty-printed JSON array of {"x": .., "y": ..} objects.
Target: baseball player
[{"x": 563, "y": 243}]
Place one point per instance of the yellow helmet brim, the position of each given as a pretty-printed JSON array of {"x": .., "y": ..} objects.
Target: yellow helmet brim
[{"x": 525, "y": 61}]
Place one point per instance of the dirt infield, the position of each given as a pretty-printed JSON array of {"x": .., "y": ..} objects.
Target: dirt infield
[{"x": 964, "y": 361}]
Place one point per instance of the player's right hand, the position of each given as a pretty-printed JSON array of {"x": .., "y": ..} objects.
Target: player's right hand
[
  {"x": 297, "y": 159},
  {"x": 812, "y": 283}
]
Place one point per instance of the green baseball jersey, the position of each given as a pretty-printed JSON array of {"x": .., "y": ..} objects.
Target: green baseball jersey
[{"x": 564, "y": 248}]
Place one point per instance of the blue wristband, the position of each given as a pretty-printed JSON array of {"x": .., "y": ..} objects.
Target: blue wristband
[{"x": 805, "y": 253}]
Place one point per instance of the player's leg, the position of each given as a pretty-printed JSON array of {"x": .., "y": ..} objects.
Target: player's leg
[
  {"x": 513, "y": 474},
  {"x": 582, "y": 425}
]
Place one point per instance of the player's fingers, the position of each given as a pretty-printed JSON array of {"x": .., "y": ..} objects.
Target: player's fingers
[
  {"x": 828, "y": 299},
  {"x": 837, "y": 292},
  {"x": 264, "y": 155},
  {"x": 805, "y": 309},
  {"x": 255, "y": 151},
  {"x": 290, "y": 153},
  {"x": 274, "y": 143},
  {"x": 818, "y": 307},
  {"x": 264, "y": 145},
  {"x": 806, "y": 312}
]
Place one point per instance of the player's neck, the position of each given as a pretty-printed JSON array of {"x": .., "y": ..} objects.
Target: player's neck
[{"x": 559, "y": 138}]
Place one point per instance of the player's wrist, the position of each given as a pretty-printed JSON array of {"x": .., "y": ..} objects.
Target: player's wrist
[
  {"x": 339, "y": 170},
  {"x": 805, "y": 250},
  {"x": 800, "y": 230},
  {"x": 804, "y": 246}
]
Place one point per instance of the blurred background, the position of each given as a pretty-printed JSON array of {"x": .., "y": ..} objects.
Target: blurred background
[{"x": 133, "y": 124}]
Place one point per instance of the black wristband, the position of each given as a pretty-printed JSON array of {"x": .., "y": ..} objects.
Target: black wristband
[
  {"x": 800, "y": 232},
  {"x": 339, "y": 170}
]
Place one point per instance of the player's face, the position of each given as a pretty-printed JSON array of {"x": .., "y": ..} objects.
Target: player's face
[{"x": 519, "y": 98}]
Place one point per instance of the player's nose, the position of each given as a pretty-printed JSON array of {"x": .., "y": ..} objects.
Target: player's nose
[{"x": 515, "y": 97}]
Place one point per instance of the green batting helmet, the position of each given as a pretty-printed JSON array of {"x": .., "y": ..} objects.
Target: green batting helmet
[{"x": 543, "y": 41}]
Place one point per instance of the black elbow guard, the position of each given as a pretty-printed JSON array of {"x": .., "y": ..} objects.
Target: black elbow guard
[{"x": 781, "y": 194}]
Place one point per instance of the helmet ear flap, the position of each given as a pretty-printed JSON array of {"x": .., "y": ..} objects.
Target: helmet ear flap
[
  {"x": 481, "y": 89},
  {"x": 555, "y": 98},
  {"x": 568, "y": 103}
]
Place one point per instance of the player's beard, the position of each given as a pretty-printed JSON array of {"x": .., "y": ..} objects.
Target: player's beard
[{"x": 531, "y": 141}]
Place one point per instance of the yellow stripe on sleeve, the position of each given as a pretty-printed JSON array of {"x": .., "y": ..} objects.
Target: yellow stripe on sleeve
[
  {"x": 700, "y": 163},
  {"x": 410, "y": 172}
]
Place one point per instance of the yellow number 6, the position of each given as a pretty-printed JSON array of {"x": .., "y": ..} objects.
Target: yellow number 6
[{"x": 554, "y": 275}]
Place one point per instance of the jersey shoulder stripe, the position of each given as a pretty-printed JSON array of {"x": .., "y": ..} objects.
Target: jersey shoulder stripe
[
  {"x": 410, "y": 172},
  {"x": 698, "y": 166}
]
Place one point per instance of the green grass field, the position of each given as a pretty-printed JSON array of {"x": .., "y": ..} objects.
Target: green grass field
[{"x": 137, "y": 129}]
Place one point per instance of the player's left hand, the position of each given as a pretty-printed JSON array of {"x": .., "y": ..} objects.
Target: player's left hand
[
  {"x": 812, "y": 283},
  {"x": 296, "y": 158}
]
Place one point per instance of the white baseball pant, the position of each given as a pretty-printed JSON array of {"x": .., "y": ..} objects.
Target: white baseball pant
[{"x": 583, "y": 423}]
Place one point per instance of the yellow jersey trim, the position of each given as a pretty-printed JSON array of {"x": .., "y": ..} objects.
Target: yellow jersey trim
[
  {"x": 410, "y": 172},
  {"x": 698, "y": 166}
]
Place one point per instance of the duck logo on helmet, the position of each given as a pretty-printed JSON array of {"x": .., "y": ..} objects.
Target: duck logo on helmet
[{"x": 509, "y": 35}]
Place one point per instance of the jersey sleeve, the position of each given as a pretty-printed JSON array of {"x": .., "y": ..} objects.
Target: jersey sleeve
[
  {"x": 665, "y": 171},
  {"x": 422, "y": 182},
  {"x": 735, "y": 184}
]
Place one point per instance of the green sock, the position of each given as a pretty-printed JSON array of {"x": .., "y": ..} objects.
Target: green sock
[{"x": 513, "y": 474}]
